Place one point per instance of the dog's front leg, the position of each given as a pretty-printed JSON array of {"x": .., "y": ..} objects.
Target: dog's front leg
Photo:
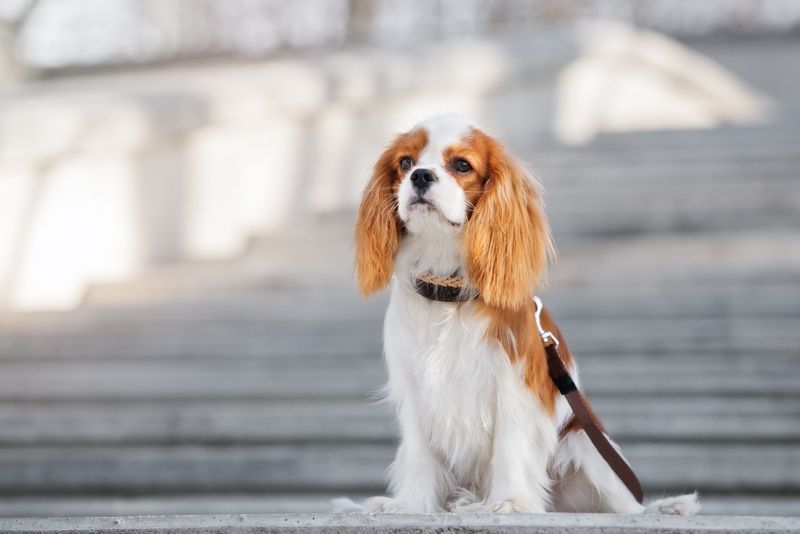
[
  {"x": 418, "y": 482},
  {"x": 524, "y": 439},
  {"x": 417, "y": 478}
]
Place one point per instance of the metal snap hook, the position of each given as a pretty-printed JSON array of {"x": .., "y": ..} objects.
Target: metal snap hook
[{"x": 547, "y": 337}]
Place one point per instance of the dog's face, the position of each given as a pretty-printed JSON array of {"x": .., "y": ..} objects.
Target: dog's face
[
  {"x": 448, "y": 178},
  {"x": 440, "y": 182}
]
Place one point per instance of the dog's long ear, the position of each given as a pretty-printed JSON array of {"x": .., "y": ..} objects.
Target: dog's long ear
[
  {"x": 377, "y": 227},
  {"x": 507, "y": 239}
]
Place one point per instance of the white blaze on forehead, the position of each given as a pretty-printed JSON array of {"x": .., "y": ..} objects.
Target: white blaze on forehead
[{"x": 442, "y": 133}]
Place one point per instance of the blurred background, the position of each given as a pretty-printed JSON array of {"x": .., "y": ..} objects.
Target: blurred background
[{"x": 179, "y": 326}]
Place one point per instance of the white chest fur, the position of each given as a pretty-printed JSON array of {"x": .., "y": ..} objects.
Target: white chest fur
[{"x": 448, "y": 376}]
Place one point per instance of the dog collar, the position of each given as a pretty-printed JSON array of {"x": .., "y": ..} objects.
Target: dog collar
[{"x": 450, "y": 289}]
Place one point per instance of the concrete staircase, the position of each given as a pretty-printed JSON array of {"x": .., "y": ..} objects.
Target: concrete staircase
[{"x": 245, "y": 385}]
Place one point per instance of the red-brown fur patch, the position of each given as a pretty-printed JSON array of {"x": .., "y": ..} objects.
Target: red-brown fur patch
[{"x": 515, "y": 330}]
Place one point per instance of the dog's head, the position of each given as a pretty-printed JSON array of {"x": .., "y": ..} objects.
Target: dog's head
[{"x": 447, "y": 180}]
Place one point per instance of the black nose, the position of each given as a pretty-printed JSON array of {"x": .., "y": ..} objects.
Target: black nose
[{"x": 422, "y": 180}]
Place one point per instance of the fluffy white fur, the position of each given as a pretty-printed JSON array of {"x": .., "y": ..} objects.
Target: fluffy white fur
[{"x": 473, "y": 437}]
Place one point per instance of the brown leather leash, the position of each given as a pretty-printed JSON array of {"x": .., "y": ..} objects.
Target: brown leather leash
[
  {"x": 582, "y": 410},
  {"x": 452, "y": 290}
]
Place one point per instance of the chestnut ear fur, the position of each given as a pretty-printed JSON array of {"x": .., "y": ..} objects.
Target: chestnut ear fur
[
  {"x": 377, "y": 227},
  {"x": 507, "y": 239}
]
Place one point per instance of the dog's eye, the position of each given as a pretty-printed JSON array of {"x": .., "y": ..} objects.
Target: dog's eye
[
  {"x": 406, "y": 163},
  {"x": 461, "y": 165}
]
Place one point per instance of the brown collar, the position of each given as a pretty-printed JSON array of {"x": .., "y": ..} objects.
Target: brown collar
[{"x": 451, "y": 289}]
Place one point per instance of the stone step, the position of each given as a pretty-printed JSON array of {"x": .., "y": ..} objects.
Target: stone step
[
  {"x": 668, "y": 175},
  {"x": 245, "y": 315},
  {"x": 589, "y": 331},
  {"x": 772, "y": 152},
  {"x": 671, "y": 275},
  {"x": 584, "y": 310},
  {"x": 273, "y": 345},
  {"x": 191, "y": 503},
  {"x": 267, "y": 503},
  {"x": 672, "y": 344},
  {"x": 299, "y": 260},
  {"x": 680, "y": 374},
  {"x": 771, "y": 468},
  {"x": 783, "y": 128},
  {"x": 682, "y": 261},
  {"x": 653, "y": 271},
  {"x": 386, "y": 523},
  {"x": 674, "y": 260},
  {"x": 235, "y": 276},
  {"x": 702, "y": 419},
  {"x": 613, "y": 212},
  {"x": 641, "y": 356}
]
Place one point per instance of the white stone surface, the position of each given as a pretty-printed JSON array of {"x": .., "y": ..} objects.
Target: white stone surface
[{"x": 361, "y": 523}]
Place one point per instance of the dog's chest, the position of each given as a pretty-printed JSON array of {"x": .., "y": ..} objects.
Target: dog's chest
[
  {"x": 455, "y": 373},
  {"x": 458, "y": 392}
]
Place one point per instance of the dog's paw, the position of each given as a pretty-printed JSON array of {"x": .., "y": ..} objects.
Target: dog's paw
[
  {"x": 461, "y": 500},
  {"x": 385, "y": 505},
  {"x": 373, "y": 505},
  {"x": 506, "y": 506},
  {"x": 509, "y": 506},
  {"x": 345, "y": 505},
  {"x": 680, "y": 505}
]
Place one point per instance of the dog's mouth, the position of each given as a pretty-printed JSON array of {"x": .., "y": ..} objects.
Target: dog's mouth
[
  {"x": 419, "y": 201},
  {"x": 426, "y": 205}
]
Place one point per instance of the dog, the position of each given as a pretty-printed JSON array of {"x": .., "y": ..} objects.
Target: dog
[{"x": 483, "y": 427}]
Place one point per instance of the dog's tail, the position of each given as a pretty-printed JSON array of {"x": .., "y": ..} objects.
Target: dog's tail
[{"x": 688, "y": 504}]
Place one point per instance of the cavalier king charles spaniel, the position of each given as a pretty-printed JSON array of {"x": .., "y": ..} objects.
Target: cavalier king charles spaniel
[{"x": 483, "y": 427}]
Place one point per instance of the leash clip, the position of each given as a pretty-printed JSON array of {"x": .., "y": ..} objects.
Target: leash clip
[{"x": 547, "y": 336}]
